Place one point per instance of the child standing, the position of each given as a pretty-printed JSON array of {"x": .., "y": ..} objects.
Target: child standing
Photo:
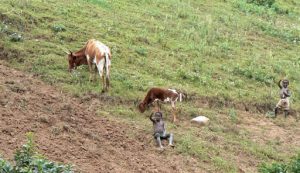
[{"x": 284, "y": 97}]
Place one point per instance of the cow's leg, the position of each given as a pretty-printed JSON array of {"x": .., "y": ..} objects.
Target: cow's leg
[
  {"x": 107, "y": 70},
  {"x": 107, "y": 77},
  {"x": 88, "y": 58},
  {"x": 95, "y": 72},
  {"x": 100, "y": 67}
]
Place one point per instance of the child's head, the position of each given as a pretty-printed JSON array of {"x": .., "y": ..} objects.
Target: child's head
[
  {"x": 285, "y": 83},
  {"x": 158, "y": 116}
]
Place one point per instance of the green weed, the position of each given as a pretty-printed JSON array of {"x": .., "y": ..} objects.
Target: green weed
[{"x": 27, "y": 160}]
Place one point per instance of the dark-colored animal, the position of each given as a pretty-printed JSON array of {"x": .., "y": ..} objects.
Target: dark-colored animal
[
  {"x": 161, "y": 95},
  {"x": 76, "y": 60},
  {"x": 93, "y": 52}
]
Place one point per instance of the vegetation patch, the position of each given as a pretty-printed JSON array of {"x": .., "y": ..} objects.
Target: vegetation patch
[
  {"x": 28, "y": 160},
  {"x": 291, "y": 167}
]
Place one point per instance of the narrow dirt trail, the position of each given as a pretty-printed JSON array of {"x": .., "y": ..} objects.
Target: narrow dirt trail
[{"x": 67, "y": 130}]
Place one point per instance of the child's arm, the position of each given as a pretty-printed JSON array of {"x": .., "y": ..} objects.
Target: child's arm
[
  {"x": 287, "y": 93},
  {"x": 151, "y": 118},
  {"x": 279, "y": 84}
]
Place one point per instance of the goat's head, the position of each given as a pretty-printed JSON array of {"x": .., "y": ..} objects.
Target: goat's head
[{"x": 142, "y": 107}]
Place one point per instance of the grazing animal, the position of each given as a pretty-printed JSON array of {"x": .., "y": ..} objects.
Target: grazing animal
[
  {"x": 163, "y": 95},
  {"x": 94, "y": 52},
  {"x": 76, "y": 60}
]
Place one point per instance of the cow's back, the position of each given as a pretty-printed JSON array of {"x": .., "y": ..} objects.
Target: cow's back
[{"x": 95, "y": 48}]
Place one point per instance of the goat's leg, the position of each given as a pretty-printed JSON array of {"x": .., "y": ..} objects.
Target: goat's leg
[
  {"x": 173, "y": 111},
  {"x": 158, "y": 107}
]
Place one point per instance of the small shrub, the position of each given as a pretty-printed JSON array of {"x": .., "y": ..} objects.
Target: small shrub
[
  {"x": 15, "y": 37},
  {"x": 295, "y": 164},
  {"x": 27, "y": 160},
  {"x": 267, "y": 3},
  {"x": 292, "y": 167},
  {"x": 273, "y": 168},
  {"x": 141, "y": 51},
  {"x": 58, "y": 28},
  {"x": 233, "y": 115},
  {"x": 3, "y": 28},
  {"x": 5, "y": 167}
]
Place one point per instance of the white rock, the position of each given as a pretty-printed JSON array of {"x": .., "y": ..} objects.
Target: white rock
[{"x": 202, "y": 120}]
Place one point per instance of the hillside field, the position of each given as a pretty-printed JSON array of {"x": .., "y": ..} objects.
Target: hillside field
[{"x": 227, "y": 55}]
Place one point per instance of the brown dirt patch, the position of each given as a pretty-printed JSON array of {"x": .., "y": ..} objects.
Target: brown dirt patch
[{"x": 67, "y": 130}]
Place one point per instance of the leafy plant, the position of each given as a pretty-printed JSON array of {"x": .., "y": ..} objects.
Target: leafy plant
[
  {"x": 292, "y": 167},
  {"x": 15, "y": 37},
  {"x": 58, "y": 28},
  {"x": 233, "y": 115},
  {"x": 27, "y": 160}
]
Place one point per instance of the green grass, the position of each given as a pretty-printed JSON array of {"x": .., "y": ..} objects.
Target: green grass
[{"x": 229, "y": 50}]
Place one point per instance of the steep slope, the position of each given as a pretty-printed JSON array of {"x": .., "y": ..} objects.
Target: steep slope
[{"x": 68, "y": 130}]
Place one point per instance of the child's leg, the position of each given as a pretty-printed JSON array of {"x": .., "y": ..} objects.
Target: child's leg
[
  {"x": 276, "y": 111},
  {"x": 286, "y": 113},
  {"x": 278, "y": 106},
  {"x": 171, "y": 140},
  {"x": 158, "y": 140},
  {"x": 287, "y": 107},
  {"x": 168, "y": 136}
]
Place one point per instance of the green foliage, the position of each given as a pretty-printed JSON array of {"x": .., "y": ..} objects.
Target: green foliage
[
  {"x": 5, "y": 166},
  {"x": 15, "y": 37},
  {"x": 58, "y": 28},
  {"x": 255, "y": 71},
  {"x": 294, "y": 166},
  {"x": 27, "y": 160},
  {"x": 267, "y": 3},
  {"x": 265, "y": 8},
  {"x": 273, "y": 168},
  {"x": 231, "y": 51},
  {"x": 101, "y": 3},
  {"x": 233, "y": 115},
  {"x": 291, "y": 167},
  {"x": 141, "y": 51}
]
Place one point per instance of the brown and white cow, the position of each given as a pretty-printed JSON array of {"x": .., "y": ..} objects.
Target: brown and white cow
[
  {"x": 161, "y": 95},
  {"x": 94, "y": 52}
]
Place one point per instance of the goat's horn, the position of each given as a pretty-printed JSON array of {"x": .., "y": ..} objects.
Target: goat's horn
[{"x": 67, "y": 52}]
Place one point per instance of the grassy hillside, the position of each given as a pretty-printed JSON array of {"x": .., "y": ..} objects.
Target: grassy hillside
[{"x": 222, "y": 51}]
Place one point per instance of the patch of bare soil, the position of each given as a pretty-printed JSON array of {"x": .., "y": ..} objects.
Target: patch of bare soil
[
  {"x": 67, "y": 130},
  {"x": 283, "y": 132}
]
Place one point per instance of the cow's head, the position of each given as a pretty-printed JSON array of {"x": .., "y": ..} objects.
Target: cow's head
[{"x": 71, "y": 59}]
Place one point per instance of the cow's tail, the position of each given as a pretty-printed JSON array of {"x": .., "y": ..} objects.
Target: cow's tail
[{"x": 107, "y": 64}]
